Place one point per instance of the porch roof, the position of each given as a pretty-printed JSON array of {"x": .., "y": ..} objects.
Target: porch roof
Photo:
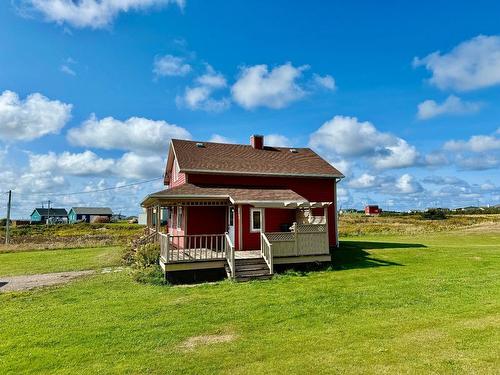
[{"x": 262, "y": 197}]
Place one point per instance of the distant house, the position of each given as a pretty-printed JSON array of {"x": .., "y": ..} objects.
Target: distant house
[
  {"x": 372, "y": 209},
  {"x": 41, "y": 215},
  {"x": 88, "y": 214}
]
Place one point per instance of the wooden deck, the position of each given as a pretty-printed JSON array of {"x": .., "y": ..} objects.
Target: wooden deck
[{"x": 306, "y": 243}]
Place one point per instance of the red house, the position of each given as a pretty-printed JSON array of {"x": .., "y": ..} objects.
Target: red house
[
  {"x": 372, "y": 209},
  {"x": 243, "y": 207}
]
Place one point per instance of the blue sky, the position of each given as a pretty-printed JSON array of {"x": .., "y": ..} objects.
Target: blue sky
[{"x": 403, "y": 98}]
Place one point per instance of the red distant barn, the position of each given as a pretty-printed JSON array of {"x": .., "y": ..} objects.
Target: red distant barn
[{"x": 372, "y": 209}]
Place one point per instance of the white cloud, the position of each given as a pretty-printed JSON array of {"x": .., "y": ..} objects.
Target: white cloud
[
  {"x": 407, "y": 184},
  {"x": 212, "y": 79},
  {"x": 80, "y": 164},
  {"x": 259, "y": 87},
  {"x": 452, "y": 105},
  {"x": 326, "y": 81},
  {"x": 217, "y": 138},
  {"x": 344, "y": 166},
  {"x": 34, "y": 117},
  {"x": 136, "y": 166},
  {"x": 398, "y": 155},
  {"x": 478, "y": 163},
  {"x": 130, "y": 165},
  {"x": 67, "y": 70},
  {"x": 445, "y": 180},
  {"x": 346, "y": 136},
  {"x": 90, "y": 13},
  {"x": 363, "y": 182},
  {"x": 169, "y": 65},
  {"x": 200, "y": 96},
  {"x": 135, "y": 134},
  {"x": 476, "y": 143},
  {"x": 277, "y": 140},
  {"x": 472, "y": 64}
]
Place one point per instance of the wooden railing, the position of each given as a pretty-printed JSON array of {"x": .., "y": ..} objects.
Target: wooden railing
[
  {"x": 304, "y": 240},
  {"x": 192, "y": 248},
  {"x": 266, "y": 250},
  {"x": 230, "y": 256}
]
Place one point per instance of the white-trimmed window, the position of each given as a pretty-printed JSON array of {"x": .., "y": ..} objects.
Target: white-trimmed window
[
  {"x": 175, "y": 171},
  {"x": 255, "y": 220},
  {"x": 231, "y": 216},
  {"x": 179, "y": 217}
]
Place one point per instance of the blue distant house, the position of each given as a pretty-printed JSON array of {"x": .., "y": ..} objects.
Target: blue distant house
[
  {"x": 41, "y": 215},
  {"x": 88, "y": 214}
]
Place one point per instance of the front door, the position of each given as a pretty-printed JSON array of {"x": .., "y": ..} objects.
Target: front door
[{"x": 230, "y": 224}]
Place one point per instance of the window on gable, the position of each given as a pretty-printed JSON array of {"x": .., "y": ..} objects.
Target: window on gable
[{"x": 175, "y": 171}]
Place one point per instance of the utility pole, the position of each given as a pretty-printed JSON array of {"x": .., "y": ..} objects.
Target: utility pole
[
  {"x": 7, "y": 224},
  {"x": 48, "y": 212}
]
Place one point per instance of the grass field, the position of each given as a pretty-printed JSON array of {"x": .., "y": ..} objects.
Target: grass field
[
  {"x": 61, "y": 260},
  {"x": 422, "y": 303},
  {"x": 32, "y": 237}
]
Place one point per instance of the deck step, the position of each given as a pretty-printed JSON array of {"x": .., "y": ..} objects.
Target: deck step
[
  {"x": 249, "y": 261},
  {"x": 250, "y": 269},
  {"x": 251, "y": 266},
  {"x": 246, "y": 273},
  {"x": 250, "y": 278}
]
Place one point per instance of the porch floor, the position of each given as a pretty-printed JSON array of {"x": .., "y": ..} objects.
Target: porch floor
[
  {"x": 247, "y": 254},
  {"x": 194, "y": 255}
]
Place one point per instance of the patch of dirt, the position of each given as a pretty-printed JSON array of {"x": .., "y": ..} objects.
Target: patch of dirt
[
  {"x": 196, "y": 341},
  {"x": 27, "y": 282}
]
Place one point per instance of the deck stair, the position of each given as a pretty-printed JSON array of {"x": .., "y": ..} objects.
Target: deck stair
[{"x": 251, "y": 269}]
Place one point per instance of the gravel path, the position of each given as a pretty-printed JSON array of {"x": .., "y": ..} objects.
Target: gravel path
[{"x": 26, "y": 282}]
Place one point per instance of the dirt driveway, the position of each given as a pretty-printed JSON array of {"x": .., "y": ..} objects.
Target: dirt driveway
[{"x": 26, "y": 282}]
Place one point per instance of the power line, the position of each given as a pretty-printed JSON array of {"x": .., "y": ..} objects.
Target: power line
[{"x": 92, "y": 191}]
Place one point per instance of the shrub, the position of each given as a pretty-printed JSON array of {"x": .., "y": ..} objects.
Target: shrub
[
  {"x": 100, "y": 219},
  {"x": 149, "y": 275},
  {"x": 434, "y": 214},
  {"x": 147, "y": 255}
]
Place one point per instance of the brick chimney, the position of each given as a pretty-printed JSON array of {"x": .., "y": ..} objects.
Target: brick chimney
[{"x": 257, "y": 141}]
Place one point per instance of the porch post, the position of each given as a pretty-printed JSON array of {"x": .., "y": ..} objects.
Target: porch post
[{"x": 158, "y": 218}]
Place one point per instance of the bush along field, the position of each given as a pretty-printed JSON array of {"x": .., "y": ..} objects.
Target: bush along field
[
  {"x": 358, "y": 224},
  {"x": 79, "y": 235}
]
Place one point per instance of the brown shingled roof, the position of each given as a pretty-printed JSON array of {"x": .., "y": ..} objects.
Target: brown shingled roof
[
  {"x": 222, "y": 158},
  {"x": 236, "y": 195}
]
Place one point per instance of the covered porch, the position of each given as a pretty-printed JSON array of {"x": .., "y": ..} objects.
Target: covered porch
[{"x": 207, "y": 227}]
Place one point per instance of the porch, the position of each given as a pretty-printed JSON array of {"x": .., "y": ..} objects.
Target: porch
[
  {"x": 246, "y": 233},
  {"x": 306, "y": 243}
]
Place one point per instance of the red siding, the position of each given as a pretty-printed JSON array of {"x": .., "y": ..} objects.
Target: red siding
[
  {"x": 251, "y": 240},
  {"x": 313, "y": 189},
  {"x": 206, "y": 220},
  {"x": 237, "y": 244},
  {"x": 181, "y": 179},
  {"x": 275, "y": 217}
]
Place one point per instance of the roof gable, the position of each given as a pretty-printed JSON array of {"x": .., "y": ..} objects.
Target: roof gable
[
  {"x": 53, "y": 212},
  {"x": 92, "y": 210},
  {"x": 222, "y": 158}
]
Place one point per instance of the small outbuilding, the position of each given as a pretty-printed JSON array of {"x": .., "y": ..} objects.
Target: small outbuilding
[
  {"x": 372, "y": 209},
  {"x": 88, "y": 214},
  {"x": 55, "y": 215}
]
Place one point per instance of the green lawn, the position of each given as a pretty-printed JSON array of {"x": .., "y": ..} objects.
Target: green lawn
[
  {"x": 45, "y": 261},
  {"x": 392, "y": 304}
]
